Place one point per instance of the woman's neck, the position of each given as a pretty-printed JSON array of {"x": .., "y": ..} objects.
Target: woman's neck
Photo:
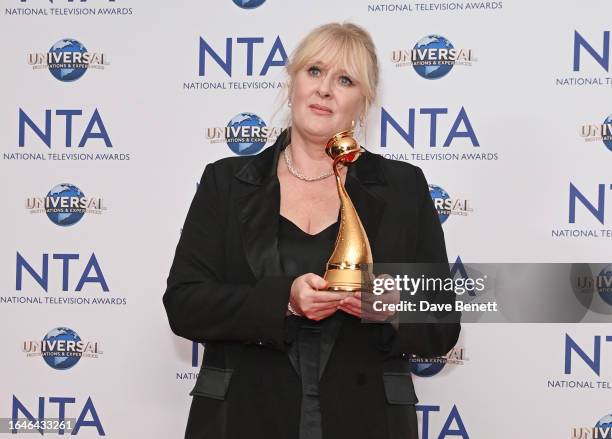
[{"x": 309, "y": 155}]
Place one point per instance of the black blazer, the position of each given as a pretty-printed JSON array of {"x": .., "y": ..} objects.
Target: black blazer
[{"x": 226, "y": 288}]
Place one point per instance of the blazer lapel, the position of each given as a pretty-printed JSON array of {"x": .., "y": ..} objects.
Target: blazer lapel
[
  {"x": 258, "y": 207},
  {"x": 369, "y": 206}
]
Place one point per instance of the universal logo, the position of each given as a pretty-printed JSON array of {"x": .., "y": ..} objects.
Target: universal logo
[
  {"x": 433, "y": 57},
  {"x": 600, "y": 284},
  {"x": 427, "y": 367},
  {"x": 65, "y": 204},
  {"x": 601, "y": 430},
  {"x": 68, "y": 60},
  {"x": 598, "y": 132},
  {"x": 447, "y": 205},
  {"x": 61, "y": 348},
  {"x": 245, "y": 134}
]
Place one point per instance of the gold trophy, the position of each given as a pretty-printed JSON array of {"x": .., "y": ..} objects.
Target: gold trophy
[{"x": 349, "y": 268}]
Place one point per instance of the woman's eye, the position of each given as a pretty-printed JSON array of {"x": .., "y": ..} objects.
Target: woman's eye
[
  {"x": 345, "y": 80},
  {"x": 314, "y": 71}
]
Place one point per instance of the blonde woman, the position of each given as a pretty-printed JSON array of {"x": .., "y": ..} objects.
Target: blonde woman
[{"x": 285, "y": 358}]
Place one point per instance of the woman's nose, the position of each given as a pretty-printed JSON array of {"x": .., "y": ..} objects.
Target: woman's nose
[{"x": 324, "y": 89}]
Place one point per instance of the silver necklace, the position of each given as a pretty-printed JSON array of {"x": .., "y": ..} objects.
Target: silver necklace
[{"x": 298, "y": 174}]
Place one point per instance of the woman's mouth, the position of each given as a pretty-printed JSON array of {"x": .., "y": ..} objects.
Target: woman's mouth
[{"x": 320, "y": 109}]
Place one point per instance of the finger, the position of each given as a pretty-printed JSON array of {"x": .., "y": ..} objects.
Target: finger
[
  {"x": 371, "y": 297},
  {"x": 324, "y": 306},
  {"x": 322, "y": 312},
  {"x": 366, "y": 297},
  {"x": 352, "y": 301},
  {"x": 351, "y": 306},
  {"x": 328, "y": 296},
  {"x": 316, "y": 306},
  {"x": 366, "y": 311},
  {"x": 351, "y": 311},
  {"x": 316, "y": 282}
]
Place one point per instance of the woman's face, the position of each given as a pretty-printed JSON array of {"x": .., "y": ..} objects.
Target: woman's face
[{"x": 324, "y": 100}]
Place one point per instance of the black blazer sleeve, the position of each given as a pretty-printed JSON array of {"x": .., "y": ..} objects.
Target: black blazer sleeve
[
  {"x": 202, "y": 302},
  {"x": 427, "y": 339}
]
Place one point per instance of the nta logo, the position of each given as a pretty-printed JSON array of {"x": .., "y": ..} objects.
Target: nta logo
[{"x": 276, "y": 56}]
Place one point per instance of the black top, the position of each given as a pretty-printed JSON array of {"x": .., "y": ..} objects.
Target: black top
[{"x": 302, "y": 253}]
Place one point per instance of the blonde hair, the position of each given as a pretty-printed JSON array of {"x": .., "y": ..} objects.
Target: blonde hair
[{"x": 348, "y": 45}]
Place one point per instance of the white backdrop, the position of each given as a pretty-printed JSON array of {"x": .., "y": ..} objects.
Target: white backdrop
[{"x": 520, "y": 97}]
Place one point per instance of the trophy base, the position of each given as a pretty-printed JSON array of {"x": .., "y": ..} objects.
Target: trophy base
[{"x": 348, "y": 280}]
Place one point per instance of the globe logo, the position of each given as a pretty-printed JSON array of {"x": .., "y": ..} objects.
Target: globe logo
[
  {"x": 246, "y": 134},
  {"x": 439, "y": 195},
  {"x": 429, "y": 64},
  {"x": 604, "y": 284},
  {"x": 428, "y": 368},
  {"x": 607, "y": 137},
  {"x": 248, "y": 4},
  {"x": 60, "y": 348},
  {"x": 64, "y": 194},
  {"x": 604, "y": 427},
  {"x": 67, "y": 71}
]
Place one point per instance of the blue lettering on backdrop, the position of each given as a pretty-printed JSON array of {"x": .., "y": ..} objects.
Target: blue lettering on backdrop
[
  {"x": 277, "y": 56},
  {"x": 88, "y": 409},
  {"x": 598, "y": 212},
  {"x": 43, "y": 278},
  {"x": 602, "y": 59},
  {"x": 593, "y": 363},
  {"x": 95, "y": 122},
  {"x": 408, "y": 134},
  {"x": 453, "y": 416}
]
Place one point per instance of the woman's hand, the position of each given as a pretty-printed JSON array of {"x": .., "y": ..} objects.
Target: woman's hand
[
  {"x": 361, "y": 304},
  {"x": 307, "y": 299}
]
